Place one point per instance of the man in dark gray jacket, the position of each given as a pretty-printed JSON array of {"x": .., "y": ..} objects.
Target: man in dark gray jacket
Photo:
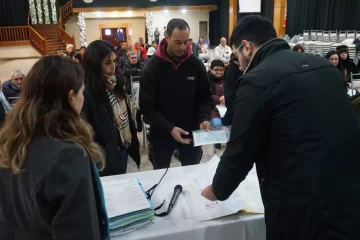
[{"x": 294, "y": 120}]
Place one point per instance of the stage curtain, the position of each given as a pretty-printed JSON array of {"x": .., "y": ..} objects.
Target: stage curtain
[
  {"x": 322, "y": 15},
  {"x": 219, "y": 22},
  {"x": 14, "y": 12}
]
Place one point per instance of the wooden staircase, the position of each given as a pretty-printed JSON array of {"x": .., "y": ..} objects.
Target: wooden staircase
[{"x": 50, "y": 33}]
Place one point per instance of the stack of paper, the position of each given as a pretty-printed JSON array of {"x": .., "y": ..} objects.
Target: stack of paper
[{"x": 127, "y": 206}]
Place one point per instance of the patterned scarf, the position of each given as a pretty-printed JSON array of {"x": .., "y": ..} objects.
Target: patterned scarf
[{"x": 120, "y": 113}]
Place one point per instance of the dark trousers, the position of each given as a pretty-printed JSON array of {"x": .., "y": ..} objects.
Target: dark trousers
[
  {"x": 116, "y": 162},
  {"x": 161, "y": 151}
]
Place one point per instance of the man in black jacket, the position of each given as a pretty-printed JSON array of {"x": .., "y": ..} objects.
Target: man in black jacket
[
  {"x": 294, "y": 120},
  {"x": 175, "y": 98}
]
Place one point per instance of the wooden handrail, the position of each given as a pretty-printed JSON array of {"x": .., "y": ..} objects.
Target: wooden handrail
[
  {"x": 65, "y": 37},
  {"x": 37, "y": 40},
  {"x": 14, "y": 34}
]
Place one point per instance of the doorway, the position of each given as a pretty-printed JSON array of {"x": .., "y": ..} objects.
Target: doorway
[
  {"x": 203, "y": 30},
  {"x": 109, "y": 35}
]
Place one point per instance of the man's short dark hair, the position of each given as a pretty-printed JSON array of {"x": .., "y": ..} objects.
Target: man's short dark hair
[
  {"x": 176, "y": 23},
  {"x": 253, "y": 28},
  {"x": 153, "y": 42},
  {"x": 217, "y": 63},
  {"x": 58, "y": 49}
]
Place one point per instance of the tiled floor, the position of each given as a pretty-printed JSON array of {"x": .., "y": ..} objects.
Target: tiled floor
[{"x": 208, "y": 153}]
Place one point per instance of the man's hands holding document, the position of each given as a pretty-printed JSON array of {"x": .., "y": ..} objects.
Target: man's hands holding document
[
  {"x": 208, "y": 193},
  {"x": 176, "y": 134}
]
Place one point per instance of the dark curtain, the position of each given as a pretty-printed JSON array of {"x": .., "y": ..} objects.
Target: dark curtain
[
  {"x": 14, "y": 12},
  {"x": 322, "y": 15},
  {"x": 219, "y": 22},
  {"x": 267, "y": 10}
]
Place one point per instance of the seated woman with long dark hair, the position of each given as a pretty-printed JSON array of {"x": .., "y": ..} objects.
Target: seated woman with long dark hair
[
  {"x": 106, "y": 109},
  {"x": 50, "y": 187}
]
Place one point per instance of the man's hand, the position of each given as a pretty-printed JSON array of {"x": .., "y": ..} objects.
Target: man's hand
[
  {"x": 208, "y": 193},
  {"x": 222, "y": 100},
  {"x": 205, "y": 125},
  {"x": 176, "y": 134}
]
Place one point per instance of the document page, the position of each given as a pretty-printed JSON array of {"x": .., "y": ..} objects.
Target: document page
[
  {"x": 124, "y": 197},
  {"x": 222, "y": 109},
  {"x": 211, "y": 137},
  {"x": 249, "y": 190},
  {"x": 204, "y": 209}
]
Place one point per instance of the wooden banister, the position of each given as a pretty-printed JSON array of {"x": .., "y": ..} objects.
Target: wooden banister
[
  {"x": 14, "y": 34},
  {"x": 37, "y": 39},
  {"x": 65, "y": 37}
]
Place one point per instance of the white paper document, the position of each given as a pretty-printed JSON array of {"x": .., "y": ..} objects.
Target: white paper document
[
  {"x": 222, "y": 109},
  {"x": 204, "y": 209},
  {"x": 123, "y": 197},
  {"x": 210, "y": 137}
]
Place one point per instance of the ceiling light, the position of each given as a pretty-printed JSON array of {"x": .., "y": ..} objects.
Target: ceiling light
[
  {"x": 183, "y": 11},
  {"x": 166, "y": 11},
  {"x": 153, "y": 0},
  {"x": 129, "y": 12},
  {"x": 88, "y": 1}
]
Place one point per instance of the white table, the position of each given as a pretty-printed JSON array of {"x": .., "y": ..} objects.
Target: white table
[{"x": 179, "y": 224}]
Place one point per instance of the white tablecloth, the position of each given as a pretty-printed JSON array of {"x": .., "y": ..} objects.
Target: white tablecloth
[{"x": 179, "y": 224}]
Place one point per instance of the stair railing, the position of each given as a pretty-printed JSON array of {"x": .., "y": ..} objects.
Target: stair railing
[
  {"x": 35, "y": 38},
  {"x": 66, "y": 11}
]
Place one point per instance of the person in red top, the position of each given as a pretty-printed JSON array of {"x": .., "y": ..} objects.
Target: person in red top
[{"x": 141, "y": 52}]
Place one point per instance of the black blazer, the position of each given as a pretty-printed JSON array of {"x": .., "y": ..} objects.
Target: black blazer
[
  {"x": 99, "y": 116},
  {"x": 54, "y": 198}
]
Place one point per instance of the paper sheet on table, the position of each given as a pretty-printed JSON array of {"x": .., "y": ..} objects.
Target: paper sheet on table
[
  {"x": 204, "y": 209},
  {"x": 222, "y": 109},
  {"x": 124, "y": 197},
  {"x": 249, "y": 191},
  {"x": 211, "y": 137}
]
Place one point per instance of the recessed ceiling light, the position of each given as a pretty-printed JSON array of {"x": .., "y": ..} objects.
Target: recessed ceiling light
[
  {"x": 183, "y": 11},
  {"x": 166, "y": 11},
  {"x": 153, "y": 0}
]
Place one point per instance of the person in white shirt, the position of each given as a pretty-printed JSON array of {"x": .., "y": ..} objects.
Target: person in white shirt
[{"x": 222, "y": 50}]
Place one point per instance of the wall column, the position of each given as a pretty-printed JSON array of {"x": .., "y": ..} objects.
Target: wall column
[
  {"x": 233, "y": 12},
  {"x": 279, "y": 16}
]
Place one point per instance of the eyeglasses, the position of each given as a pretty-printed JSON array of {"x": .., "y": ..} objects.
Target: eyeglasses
[
  {"x": 133, "y": 58},
  {"x": 240, "y": 47}
]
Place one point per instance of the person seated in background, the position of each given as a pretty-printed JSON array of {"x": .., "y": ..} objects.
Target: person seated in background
[
  {"x": 12, "y": 87},
  {"x": 131, "y": 67},
  {"x": 70, "y": 51},
  {"x": 140, "y": 51},
  {"x": 5, "y": 106},
  {"x": 59, "y": 52},
  {"x": 50, "y": 186},
  {"x": 195, "y": 48},
  {"x": 232, "y": 75},
  {"x": 149, "y": 54},
  {"x": 204, "y": 53},
  {"x": 202, "y": 41},
  {"x": 216, "y": 78},
  {"x": 298, "y": 48},
  {"x": 222, "y": 51}
]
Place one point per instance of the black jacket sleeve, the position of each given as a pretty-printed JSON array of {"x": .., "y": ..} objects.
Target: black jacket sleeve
[
  {"x": 69, "y": 188},
  {"x": 204, "y": 95},
  {"x": 147, "y": 98},
  {"x": 243, "y": 148},
  {"x": 130, "y": 71}
]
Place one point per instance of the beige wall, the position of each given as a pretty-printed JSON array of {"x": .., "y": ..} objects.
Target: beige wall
[
  {"x": 191, "y": 17},
  {"x": 136, "y": 30},
  {"x": 137, "y": 21},
  {"x": 19, "y": 52}
]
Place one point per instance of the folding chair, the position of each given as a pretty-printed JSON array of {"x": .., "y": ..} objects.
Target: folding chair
[
  {"x": 355, "y": 82},
  {"x": 342, "y": 36},
  {"x": 319, "y": 48},
  {"x": 352, "y": 51},
  {"x": 313, "y": 36},
  {"x": 319, "y": 36},
  {"x": 333, "y": 36},
  {"x": 326, "y": 46},
  {"x": 326, "y": 36},
  {"x": 306, "y": 35},
  {"x": 350, "y": 34},
  {"x": 357, "y": 34}
]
